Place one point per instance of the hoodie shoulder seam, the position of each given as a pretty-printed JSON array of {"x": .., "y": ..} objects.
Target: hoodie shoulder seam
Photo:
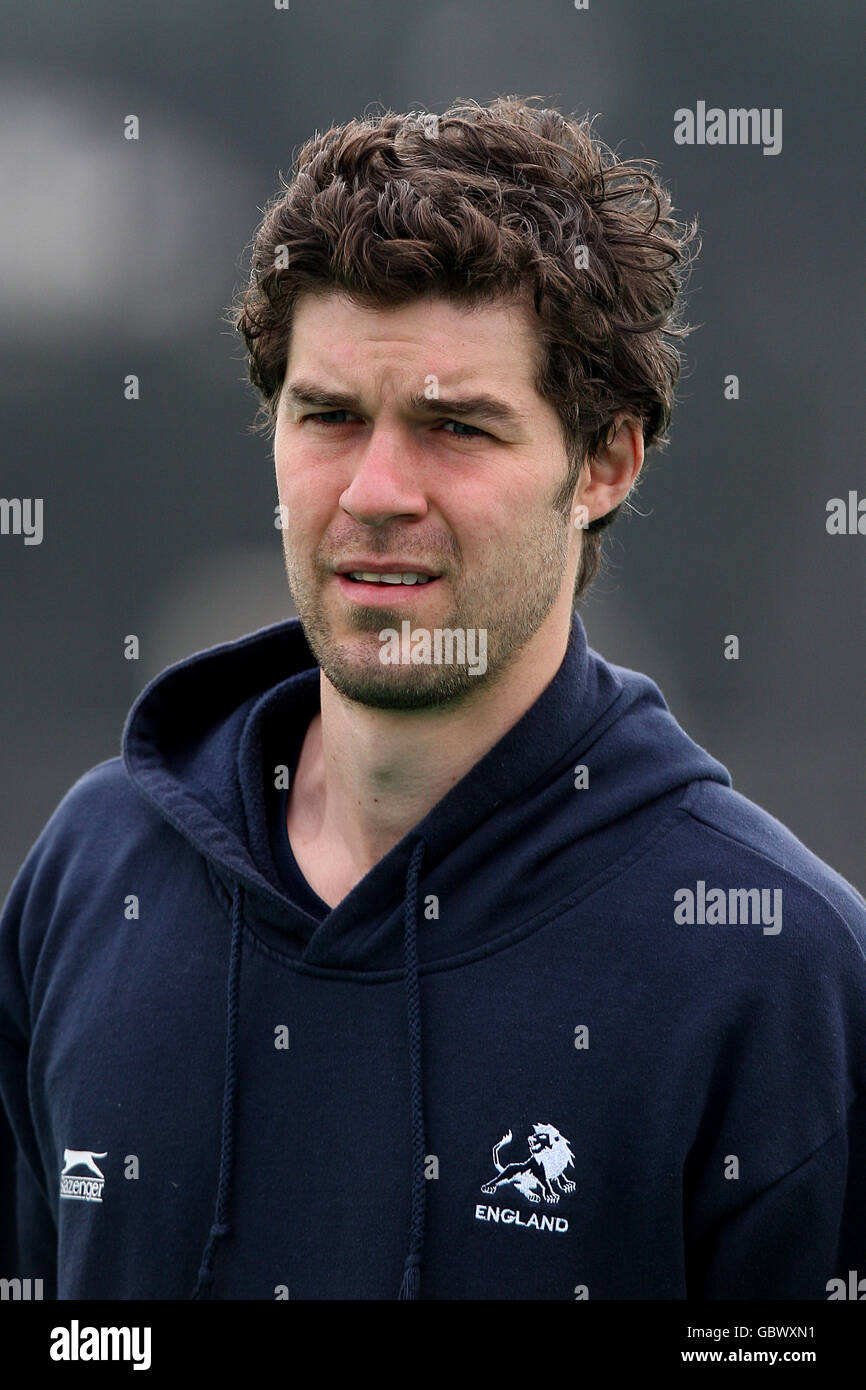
[{"x": 777, "y": 863}]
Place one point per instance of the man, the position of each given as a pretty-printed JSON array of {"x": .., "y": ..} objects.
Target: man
[{"x": 411, "y": 949}]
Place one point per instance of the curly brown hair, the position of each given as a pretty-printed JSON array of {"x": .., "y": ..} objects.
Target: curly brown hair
[{"x": 475, "y": 204}]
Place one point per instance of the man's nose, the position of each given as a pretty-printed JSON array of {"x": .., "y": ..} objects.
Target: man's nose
[{"x": 385, "y": 483}]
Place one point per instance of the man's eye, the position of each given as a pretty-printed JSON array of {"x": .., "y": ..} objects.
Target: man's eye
[
  {"x": 322, "y": 414},
  {"x": 463, "y": 425}
]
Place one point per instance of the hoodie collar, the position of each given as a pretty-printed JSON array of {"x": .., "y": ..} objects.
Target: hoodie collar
[{"x": 203, "y": 735}]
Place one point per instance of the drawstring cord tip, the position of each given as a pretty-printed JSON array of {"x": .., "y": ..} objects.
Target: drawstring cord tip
[{"x": 411, "y": 1281}]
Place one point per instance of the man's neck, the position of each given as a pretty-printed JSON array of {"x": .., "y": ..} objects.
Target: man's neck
[{"x": 365, "y": 776}]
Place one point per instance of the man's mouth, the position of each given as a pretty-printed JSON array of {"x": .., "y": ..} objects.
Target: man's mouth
[
  {"x": 404, "y": 577},
  {"x": 384, "y": 584}
]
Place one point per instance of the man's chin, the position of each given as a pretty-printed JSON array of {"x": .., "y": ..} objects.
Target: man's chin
[{"x": 400, "y": 687}]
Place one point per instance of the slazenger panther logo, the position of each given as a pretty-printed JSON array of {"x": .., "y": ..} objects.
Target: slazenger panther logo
[
  {"x": 76, "y": 1186},
  {"x": 541, "y": 1174}
]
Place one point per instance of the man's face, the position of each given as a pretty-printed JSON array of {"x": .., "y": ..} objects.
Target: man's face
[{"x": 382, "y": 473}]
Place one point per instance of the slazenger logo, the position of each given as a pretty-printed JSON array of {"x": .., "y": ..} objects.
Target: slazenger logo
[
  {"x": 540, "y": 1175},
  {"x": 76, "y": 1186}
]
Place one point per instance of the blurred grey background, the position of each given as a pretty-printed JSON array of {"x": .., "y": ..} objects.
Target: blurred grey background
[{"x": 119, "y": 257}]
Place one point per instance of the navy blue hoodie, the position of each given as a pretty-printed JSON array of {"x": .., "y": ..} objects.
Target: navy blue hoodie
[{"x": 595, "y": 1027}]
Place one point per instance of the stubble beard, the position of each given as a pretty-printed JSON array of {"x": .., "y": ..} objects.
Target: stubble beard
[{"x": 511, "y": 601}]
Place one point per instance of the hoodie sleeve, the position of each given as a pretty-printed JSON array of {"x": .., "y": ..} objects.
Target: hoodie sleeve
[
  {"x": 800, "y": 1234},
  {"x": 28, "y": 1234}
]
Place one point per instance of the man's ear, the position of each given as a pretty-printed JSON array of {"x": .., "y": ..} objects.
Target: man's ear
[{"x": 608, "y": 478}]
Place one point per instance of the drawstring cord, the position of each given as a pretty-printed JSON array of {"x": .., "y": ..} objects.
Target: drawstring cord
[
  {"x": 411, "y": 1282},
  {"x": 220, "y": 1226}
]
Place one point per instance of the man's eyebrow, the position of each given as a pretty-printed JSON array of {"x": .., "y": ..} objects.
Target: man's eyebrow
[{"x": 481, "y": 405}]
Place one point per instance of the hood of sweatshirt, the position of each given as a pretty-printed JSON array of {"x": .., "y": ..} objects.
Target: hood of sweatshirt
[{"x": 203, "y": 743}]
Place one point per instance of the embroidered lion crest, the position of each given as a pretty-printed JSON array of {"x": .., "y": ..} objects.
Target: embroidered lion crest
[{"x": 541, "y": 1173}]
